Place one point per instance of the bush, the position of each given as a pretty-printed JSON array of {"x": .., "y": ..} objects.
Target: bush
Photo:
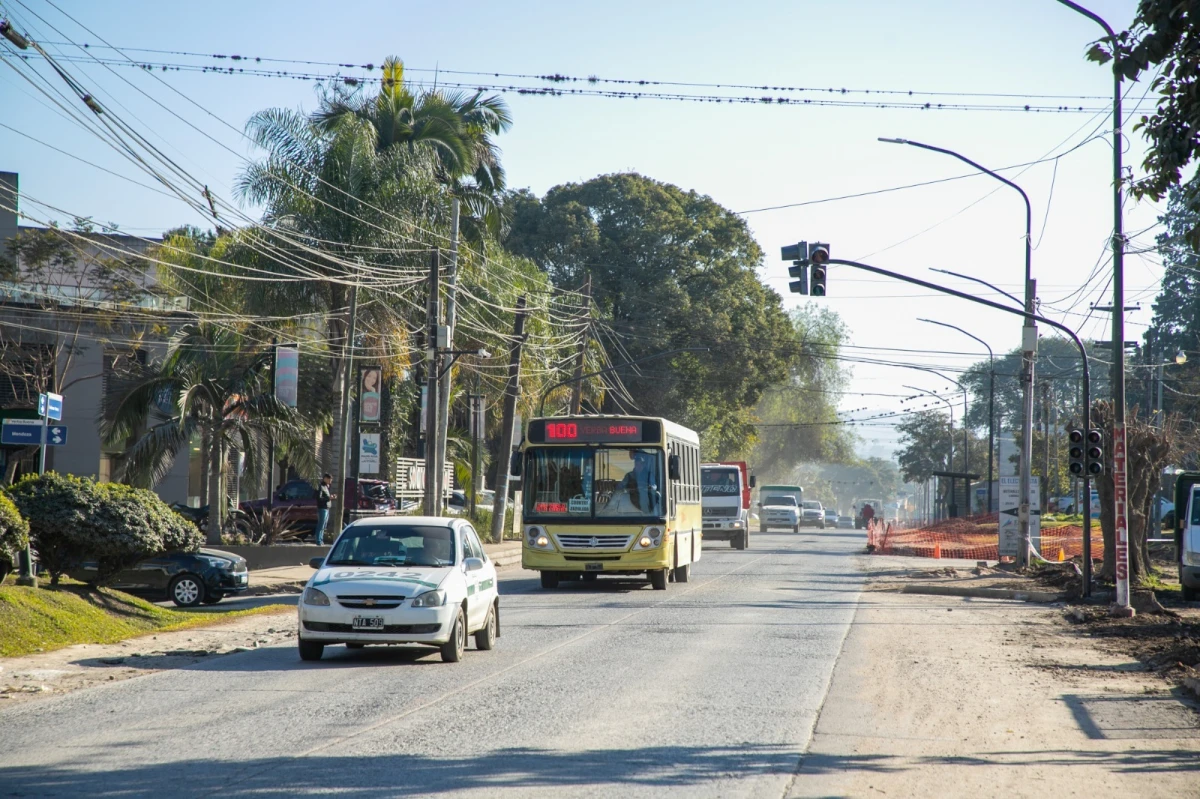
[
  {"x": 14, "y": 536},
  {"x": 59, "y": 509}
]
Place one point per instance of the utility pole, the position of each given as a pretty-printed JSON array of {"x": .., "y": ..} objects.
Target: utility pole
[
  {"x": 339, "y": 487},
  {"x": 433, "y": 501},
  {"x": 506, "y": 422},
  {"x": 451, "y": 320},
  {"x": 477, "y": 432},
  {"x": 271, "y": 433},
  {"x": 1045, "y": 499},
  {"x": 577, "y": 389}
]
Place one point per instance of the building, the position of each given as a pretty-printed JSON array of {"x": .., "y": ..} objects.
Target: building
[{"x": 72, "y": 315}]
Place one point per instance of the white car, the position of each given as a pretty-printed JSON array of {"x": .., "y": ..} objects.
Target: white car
[
  {"x": 778, "y": 511},
  {"x": 402, "y": 580}
]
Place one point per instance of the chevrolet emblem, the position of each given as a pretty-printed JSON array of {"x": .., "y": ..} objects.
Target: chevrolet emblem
[{"x": 369, "y": 603}]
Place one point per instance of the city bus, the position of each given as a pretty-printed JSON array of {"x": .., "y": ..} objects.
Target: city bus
[{"x": 610, "y": 495}]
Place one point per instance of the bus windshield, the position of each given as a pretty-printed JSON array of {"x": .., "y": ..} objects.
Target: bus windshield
[
  {"x": 719, "y": 483},
  {"x": 594, "y": 483}
]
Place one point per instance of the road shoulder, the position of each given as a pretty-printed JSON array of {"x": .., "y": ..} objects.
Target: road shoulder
[{"x": 986, "y": 697}]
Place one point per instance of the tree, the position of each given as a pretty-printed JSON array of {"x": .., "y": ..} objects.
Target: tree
[
  {"x": 669, "y": 269},
  {"x": 211, "y": 389},
  {"x": 927, "y": 439},
  {"x": 1164, "y": 35},
  {"x": 14, "y": 535}
]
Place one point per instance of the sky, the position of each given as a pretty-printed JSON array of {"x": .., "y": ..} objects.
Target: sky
[{"x": 745, "y": 157}]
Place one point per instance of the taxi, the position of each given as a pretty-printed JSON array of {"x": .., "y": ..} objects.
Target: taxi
[{"x": 402, "y": 580}]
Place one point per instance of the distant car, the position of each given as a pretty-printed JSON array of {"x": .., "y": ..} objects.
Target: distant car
[
  {"x": 402, "y": 580},
  {"x": 812, "y": 514},
  {"x": 831, "y": 517},
  {"x": 845, "y": 523},
  {"x": 186, "y": 578}
]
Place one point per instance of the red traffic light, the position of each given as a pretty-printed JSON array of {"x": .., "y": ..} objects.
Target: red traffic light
[{"x": 818, "y": 253}]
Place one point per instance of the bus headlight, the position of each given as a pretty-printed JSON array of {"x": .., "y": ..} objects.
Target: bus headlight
[
  {"x": 650, "y": 538},
  {"x": 536, "y": 538}
]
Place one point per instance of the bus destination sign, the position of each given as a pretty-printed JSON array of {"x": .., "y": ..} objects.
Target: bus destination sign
[{"x": 592, "y": 431}]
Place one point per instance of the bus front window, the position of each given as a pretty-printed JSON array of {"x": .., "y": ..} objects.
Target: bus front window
[
  {"x": 628, "y": 483},
  {"x": 559, "y": 483}
]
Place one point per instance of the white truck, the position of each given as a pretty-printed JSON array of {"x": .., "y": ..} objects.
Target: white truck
[{"x": 725, "y": 502}]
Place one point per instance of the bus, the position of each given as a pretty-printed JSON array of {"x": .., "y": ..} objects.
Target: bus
[{"x": 610, "y": 495}]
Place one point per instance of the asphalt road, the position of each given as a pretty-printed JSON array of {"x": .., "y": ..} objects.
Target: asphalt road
[{"x": 710, "y": 688}]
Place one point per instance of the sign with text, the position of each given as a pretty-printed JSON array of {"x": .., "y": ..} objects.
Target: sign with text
[
  {"x": 1120, "y": 515},
  {"x": 368, "y": 453},
  {"x": 18, "y": 432},
  {"x": 1010, "y": 516},
  {"x": 287, "y": 375},
  {"x": 370, "y": 394},
  {"x": 50, "y": 405}
]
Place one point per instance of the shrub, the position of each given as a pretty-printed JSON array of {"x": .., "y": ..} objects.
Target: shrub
[
  {"x": 132, "y": 524},
  {"x": 271, "y": 526},
  {"x": 59, "y": 509},
  {"x": 14, "y": 535}
]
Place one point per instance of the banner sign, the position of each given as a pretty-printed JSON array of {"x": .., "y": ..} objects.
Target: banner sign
[
  {"x": 368, "y": 453},
  {"x": 287, "y": 375},
  {"x": 1120, "y": 498},
  {"x": 370, "y": 380}
]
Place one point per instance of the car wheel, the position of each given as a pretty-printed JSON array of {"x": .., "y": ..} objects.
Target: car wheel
[
  {"x": 311, "y": 650},
  {"x": 796, "y": 529},
  {"x": 186, "y": 591},
  {"x": 1189, "y": 594},
  {"x": 658, "y": 579},
  {"x": 549, "y": 580},
  {"x": 485, "y": 639},
  {"x": 739, "y": 541},
  {"x": 355, "y": 645},
  {"x": 213, "y": 597},
  {"x": 452, "y": 650}
]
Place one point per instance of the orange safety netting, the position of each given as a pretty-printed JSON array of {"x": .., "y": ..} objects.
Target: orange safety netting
[{"x": 974, "y": 538}]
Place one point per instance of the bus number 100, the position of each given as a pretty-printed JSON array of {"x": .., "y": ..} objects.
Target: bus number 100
[{"x": 562, "y": 430}]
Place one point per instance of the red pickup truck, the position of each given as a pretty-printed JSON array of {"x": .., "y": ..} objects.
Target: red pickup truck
[{"x": 299, "y": 499}]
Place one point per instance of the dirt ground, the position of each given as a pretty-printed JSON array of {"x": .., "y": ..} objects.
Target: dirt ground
[
  {"x": 48, "y": 673},
  {"x": 963, "y": 696}
]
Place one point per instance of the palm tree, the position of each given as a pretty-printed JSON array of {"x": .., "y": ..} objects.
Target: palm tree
[{"x": 210, "y": 387}]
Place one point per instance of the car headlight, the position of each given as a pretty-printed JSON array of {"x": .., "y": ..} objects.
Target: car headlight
[
  {"x": 537, "y": 538},
  {"x": 218, "y": 563},
  {"x": 430, "y": 599},
  {"x": 314, "y": 596},
  {"x": 1191, "y": 558},
  {"x": 650, "y": 538}
]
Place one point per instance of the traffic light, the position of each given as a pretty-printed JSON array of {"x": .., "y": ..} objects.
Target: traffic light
[
  {"x": 818, "y": 256},
  {"x": 1095, "y": 452},
  {"x": 798, "y": 255},
  {"x": 1075, "y": 451}
]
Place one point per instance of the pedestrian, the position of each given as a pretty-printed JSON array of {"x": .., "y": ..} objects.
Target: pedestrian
[{"x": 324, "y": 499}]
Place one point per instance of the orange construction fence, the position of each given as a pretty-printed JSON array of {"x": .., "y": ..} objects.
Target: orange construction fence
[{"x": 974, "y": 538}]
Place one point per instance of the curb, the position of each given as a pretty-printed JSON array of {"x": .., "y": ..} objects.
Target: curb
[{"x": 984, "y": 593}]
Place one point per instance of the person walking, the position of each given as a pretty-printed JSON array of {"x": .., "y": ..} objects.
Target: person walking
[{"x": 324, "y": 500}]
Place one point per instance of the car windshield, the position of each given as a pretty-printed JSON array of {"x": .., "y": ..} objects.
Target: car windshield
[
  {"x": 719, "y": 483},
  {"x": 781, "y": 501},
  {"x": 600, "y": 483},
  {"x": 393, "y": 545},
  {"x": 812, "y": 505}
]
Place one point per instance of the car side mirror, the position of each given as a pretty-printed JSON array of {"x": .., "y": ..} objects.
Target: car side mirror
[
  {"x": 317, "y": 563},
  {"x": 753, "y": 481},
  {"x": 473, "y": 564},
  {"x": 673, "y": 470},
  {"x": 514, "y": 465}
]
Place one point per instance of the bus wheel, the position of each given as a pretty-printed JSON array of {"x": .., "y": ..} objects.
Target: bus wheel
[
  {"x": 549, "y": 580},
  {"x": 683, "y": 574},
  {"x": 658, "y": 579}
]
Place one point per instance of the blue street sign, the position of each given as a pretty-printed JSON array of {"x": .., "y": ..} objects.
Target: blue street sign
[
  {"x": 41, "y": 404},
  {"x": 56, "y": 435},
  {"x": 54, "y": 406},
  {"x": 21, "y": 432}
]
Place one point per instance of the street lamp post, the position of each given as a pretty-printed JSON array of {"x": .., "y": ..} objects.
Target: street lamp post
[
  {"x": 1180, "y": 359},
  {"x": 1028, "y": 345},
  {"x": 950, "y": 438},
  {"x": 991, "y": 401},
  {"x": 1122, "y": 605}
]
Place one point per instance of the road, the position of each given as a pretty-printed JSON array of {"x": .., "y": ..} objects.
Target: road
[{"x": 710, "y": 688}]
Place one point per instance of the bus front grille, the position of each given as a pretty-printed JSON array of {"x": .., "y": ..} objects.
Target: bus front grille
[{"x": 578, "y": 541}]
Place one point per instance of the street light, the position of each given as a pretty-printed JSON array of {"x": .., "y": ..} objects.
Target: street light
[
  {"x": 1179, "y": 360},
  {"x": 1118, "y": 324},
  {"x": 1028, "y": 343},
  {"x": 991, "y": 399},
  {"x": 950, "y": 460}
]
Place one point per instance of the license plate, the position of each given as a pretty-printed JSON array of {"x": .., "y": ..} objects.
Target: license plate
[
  {"x": 593, "y": 567},
  {"x": 367, "y": 623}
]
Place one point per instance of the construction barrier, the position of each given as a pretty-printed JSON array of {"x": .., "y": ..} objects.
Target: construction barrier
[{"x": 974, "y": 538}]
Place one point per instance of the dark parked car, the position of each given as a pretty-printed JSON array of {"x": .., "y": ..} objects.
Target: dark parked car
[
  {"x": 186, "y": 578},
  {"x": 299, "y": 499}
]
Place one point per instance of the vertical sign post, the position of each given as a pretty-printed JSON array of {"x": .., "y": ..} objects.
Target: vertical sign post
[{"x": 1120, "y": 501}]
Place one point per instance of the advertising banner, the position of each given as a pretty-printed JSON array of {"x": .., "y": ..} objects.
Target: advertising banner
[
  {"x": 370, "y": 380},
  {"x": 368, "y": 453},
  {"x": 287, "y": 375}
]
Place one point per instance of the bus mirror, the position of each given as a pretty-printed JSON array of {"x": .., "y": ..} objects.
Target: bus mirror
[
  {"x": 753, "y": 481},
  {"x": 514, "y": 466},
  {"x": 673, "y": 470}
]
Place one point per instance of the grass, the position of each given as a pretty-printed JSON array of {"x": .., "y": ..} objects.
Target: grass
[{"x": 45, "y": 618}]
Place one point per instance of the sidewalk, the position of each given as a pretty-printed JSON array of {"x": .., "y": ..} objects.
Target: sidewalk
[
  {"x": 285, "y": 579},
  {"x": 961, "y": 696}
]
